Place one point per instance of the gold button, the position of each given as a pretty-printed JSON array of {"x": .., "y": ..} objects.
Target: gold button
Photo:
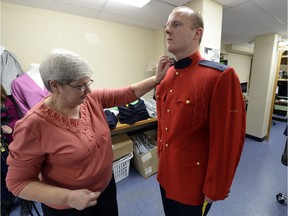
[
  {"x": 170, "y": 90},
  {"x": 166, "y": 145},
  {"x": 188, "y": 102},
  {"x": 177, "y": 73},
  {"x": 157, "y": 96},
  {"x": 198, "y": 163},
  {"x": 168, "y": 110},
  {"x": 166, "y": 128}
]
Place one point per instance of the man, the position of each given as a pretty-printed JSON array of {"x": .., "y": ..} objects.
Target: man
[{"x": 201, "y": 125}]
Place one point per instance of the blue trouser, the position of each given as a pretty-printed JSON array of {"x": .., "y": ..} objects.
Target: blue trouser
[{"x": 174, "y": 208}]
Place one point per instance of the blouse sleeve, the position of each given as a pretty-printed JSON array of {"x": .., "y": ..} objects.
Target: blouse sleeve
[
  {"x": 24, "y": 160},
  {"x": 227, "y": 133},
  {"x": 114, "y": 96}
]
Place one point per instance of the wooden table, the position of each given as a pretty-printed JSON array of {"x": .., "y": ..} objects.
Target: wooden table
[{"x": 143, "y": 125}]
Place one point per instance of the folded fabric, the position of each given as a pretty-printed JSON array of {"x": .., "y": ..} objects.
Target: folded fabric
[
  {"x": 133, "y": 112},
  {"x": 111, "y": 119},
  {"x": 150, "y": 104}
]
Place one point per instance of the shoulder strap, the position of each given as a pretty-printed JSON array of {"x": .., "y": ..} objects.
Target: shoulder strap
[{"x": 215, "y": 65}]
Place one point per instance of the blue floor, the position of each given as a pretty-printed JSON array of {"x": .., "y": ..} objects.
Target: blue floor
[{"x": 260, "y": 176}]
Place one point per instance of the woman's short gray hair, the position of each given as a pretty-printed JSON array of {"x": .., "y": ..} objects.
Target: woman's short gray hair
[{"x": 63, "y": 66}]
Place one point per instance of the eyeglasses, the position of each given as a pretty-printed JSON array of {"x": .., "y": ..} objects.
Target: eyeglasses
[{"x": 82, "y": 88}]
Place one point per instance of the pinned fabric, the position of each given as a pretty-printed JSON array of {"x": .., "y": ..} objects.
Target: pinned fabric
[{"x": 133, "y": 112}]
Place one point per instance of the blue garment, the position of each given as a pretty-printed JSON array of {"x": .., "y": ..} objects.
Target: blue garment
[
  {"x": 111, "y": 119},
  {"x": 132, "y": 113}
]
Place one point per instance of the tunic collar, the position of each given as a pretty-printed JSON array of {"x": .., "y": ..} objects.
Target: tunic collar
[{"x": 186, "y": 62}]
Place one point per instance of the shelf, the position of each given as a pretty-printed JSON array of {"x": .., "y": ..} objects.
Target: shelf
[
  {"x": 279, "y": 117},
  {"x": 281, "y": 102},
  {"x": 139, "y": 125},
  {"x": 284, "y": 58}
]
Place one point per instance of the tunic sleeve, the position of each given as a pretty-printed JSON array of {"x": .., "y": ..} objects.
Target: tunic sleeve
[{"x": 227, "y": 133}]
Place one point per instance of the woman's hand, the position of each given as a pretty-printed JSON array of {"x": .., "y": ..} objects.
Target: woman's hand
[
  {"x": 81, "y": 199},
  {"x": 6, "y": 129},
  {"x": 148, "y": 84},
  {"x": 162, "y": 67}
]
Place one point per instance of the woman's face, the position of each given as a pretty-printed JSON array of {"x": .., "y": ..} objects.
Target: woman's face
[{"x": 74, "y": 93}]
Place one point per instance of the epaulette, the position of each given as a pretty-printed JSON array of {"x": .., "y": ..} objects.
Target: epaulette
[{"x": 215, "y": 65}]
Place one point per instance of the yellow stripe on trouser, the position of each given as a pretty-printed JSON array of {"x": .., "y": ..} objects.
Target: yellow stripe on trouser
[{"x": 204, "y": 207}]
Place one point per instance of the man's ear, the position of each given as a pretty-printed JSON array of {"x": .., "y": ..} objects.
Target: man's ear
[{"x": 199, "y": 32}]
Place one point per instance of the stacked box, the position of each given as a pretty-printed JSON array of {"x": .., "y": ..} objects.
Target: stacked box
[
  {"x": 147, "y": 164},
  {"x": 122, "y": 145}
]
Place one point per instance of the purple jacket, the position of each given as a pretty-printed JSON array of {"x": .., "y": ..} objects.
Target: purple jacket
[{"x": 27, "y": 93}]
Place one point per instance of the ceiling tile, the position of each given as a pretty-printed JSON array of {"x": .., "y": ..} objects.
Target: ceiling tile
[
  {"x": 230, "y": 3},
  {"x": 275, "y": 8},
  {"x": 176, "y": 2},
  {"x": 248, "y": 17},
  {"x": 149, "y": 12},
  {"x": 85, "y": 3}
]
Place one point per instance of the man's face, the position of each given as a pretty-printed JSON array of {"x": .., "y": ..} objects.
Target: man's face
[{"x": 181, "y": 40}]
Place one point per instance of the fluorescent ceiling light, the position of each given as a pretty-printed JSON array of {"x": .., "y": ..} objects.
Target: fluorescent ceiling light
[{"x": 135, "y": 3}]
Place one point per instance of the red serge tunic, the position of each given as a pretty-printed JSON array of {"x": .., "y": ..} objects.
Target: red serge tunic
[{"x": 201, "y": 130}]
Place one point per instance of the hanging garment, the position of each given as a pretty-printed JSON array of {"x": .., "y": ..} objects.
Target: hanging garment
[
  {"x": 10, "y": 70},
  {"x": 150, "y": 104},
  {"x": 27, "y": 93}
]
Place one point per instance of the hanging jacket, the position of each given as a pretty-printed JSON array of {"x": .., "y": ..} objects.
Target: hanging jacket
[{"x": 10, "y": 70}]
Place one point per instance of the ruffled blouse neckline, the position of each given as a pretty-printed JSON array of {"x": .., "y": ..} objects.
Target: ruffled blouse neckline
[{"x": 81, "y": 125}]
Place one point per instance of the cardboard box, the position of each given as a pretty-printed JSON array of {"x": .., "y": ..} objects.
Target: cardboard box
[
  {"x": 147, "y": 164},
  {"x": 153, "y": 136},
  {"x": 122, "y": 145}
]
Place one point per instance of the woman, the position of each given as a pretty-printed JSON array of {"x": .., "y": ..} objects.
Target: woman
[
  {"x": 67, "y": 140},
  {"x": 9, "y": 116}
]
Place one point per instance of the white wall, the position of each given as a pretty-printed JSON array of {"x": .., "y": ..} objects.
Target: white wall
[
  {"x": 241, "y": 64},
  {"x": 263, "y": 77},
  {"x": 211, "y": 12},
  {"x": 119, "y": 54}
]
